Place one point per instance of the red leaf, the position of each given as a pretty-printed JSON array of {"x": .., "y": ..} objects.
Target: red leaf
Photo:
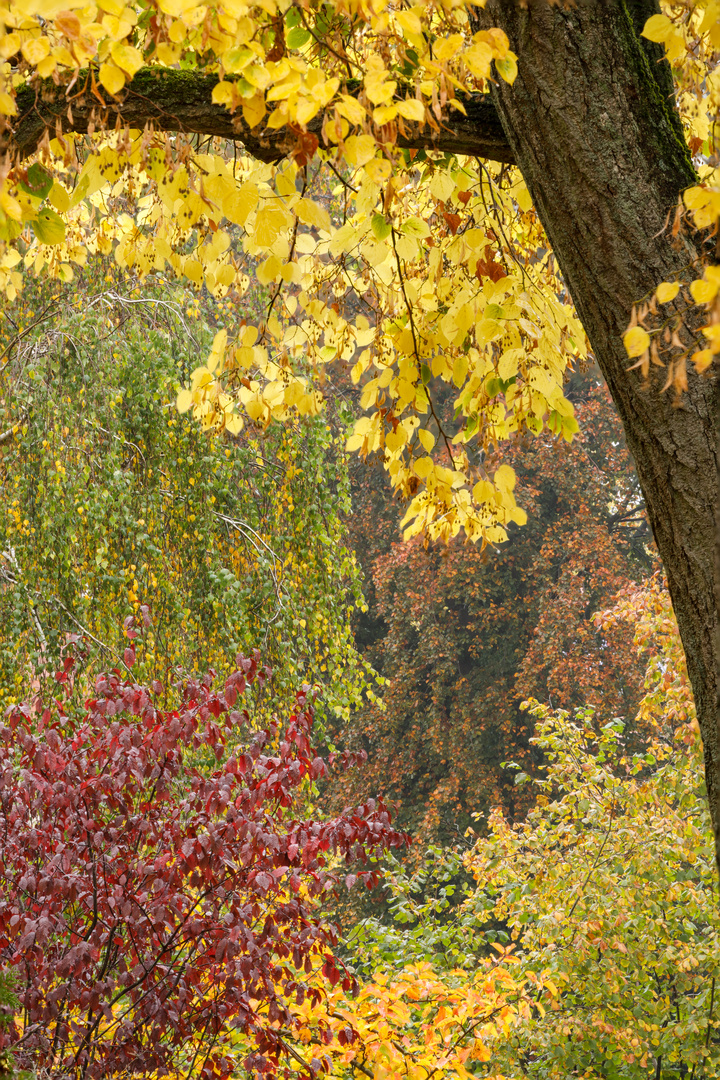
[{"x": 110, "y": 800}]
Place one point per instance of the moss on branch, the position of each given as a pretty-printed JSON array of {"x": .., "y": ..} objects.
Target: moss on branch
[{"x": 181, "y": 101}]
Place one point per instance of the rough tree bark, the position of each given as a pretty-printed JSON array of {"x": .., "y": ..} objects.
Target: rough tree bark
[
  {"x": 597, "y": 140},
  {"x": 591, "y": 123}
]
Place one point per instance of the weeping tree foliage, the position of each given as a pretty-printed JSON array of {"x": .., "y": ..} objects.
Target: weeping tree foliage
[{"x": 114, "y": 501}]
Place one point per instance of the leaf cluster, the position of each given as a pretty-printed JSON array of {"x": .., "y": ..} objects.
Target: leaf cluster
[{"x": 149, "y": 909}]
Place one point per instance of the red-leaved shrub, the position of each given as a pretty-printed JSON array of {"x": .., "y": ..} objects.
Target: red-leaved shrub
[{"x": 148, "y": 906}]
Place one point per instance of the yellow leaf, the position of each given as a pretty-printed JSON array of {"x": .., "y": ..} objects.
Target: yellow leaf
[
  {"x": 384, "y": 114},
  {"x": 378, "y": 169},
  {"x": 636, "y": 341},
  {"x": 524, "y": 199},
  {"x": 167, "y": 54},
  {"x": 9, "y": 44},
  {"x": 478, "y": 58},
  {"x": 7, "y": 104},
  {"x": 444, "y": 48},
  {"x": 351, "y": 109},
  {"x": 507, "y": 67},
  {"x": 702, "y": 360},
  {"x": 256, "y": 409},
  {"x": 268, "y": 270},
  {"x": 224, "y": 94},
  {"x": 504, "y": 479},
  {"x": 696, "y": 197},
  {"x": 483, "y": 492},
  {"x": 480, "y": 1051},
  {"x": 113, "y": 7},
  {"x": 294, "y": 393},
  {"x": 427, "y": 439},
  {"x": 541, "y": 380},
  {"x": 306, "y": 109},
  {"x": 460, "y": 369},
  {"x": 412, "y": 109},
  {"x": 11, "y": 207},
  {"x": 703, "y": 291},
  {"x": 667, "y": 290},
  {"x": 184, "y": 401},
  {"x": 234, "y": 423},
  {"x": 409, "y": 20},
  {"x": 127, "y": 57},
  {"x": 35, "y": 50},
  {"x": 442, "y": 186},
  {"x": 359, "y": 149},
  {"x": 254, "y": 110},
  {"x": 311, "y": 213},
  {"x": 219, "y": 342},
  {"x": 270, "y": 222},
  {"x": 240, "y": 203},
  {"x": 46, "y": 67},
  {"x": 193, "y": 270},
  {"x": 357, "y": 372},
  {"x": 415, "y": 226},
  {"x": 395, "y": 440},
  {"x": 59, "y": 198},
  {"x": 112, "y": 78},
  {"x": 657, "y": 28}
]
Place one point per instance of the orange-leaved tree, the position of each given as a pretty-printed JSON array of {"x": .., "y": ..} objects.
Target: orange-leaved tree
[{"x": 463, "y": 638}]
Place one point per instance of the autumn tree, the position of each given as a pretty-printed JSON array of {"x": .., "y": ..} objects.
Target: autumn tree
[
  {"x": 639, "y": 975},
  {"x": 463, "y": 636},
  {"x": 449, "y": 253},
  {"x": 587, "y": 942},
  {"x": 112, "y": 500}
]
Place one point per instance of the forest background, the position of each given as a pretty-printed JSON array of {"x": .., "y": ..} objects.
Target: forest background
[{"x": 485, "y": 945}]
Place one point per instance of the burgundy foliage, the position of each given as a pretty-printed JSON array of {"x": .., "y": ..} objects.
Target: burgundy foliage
[{"x": 149, "y": 906}]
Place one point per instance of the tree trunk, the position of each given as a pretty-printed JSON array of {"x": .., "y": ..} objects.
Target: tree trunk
[{"x": 592, "y": 129}]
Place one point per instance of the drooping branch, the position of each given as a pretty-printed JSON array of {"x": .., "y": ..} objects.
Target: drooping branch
[{"x": 181, "y": 101}]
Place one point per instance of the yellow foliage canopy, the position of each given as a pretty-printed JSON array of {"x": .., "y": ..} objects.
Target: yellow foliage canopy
[{"x": 429, "y": 275}]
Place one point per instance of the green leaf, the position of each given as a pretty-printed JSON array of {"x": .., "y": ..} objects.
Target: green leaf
[
  {"x": 38, "y": 184},
  {"x": 380, "y": 227},
  {"x": 49, "y": 227},
  {"x": 298, "y": 37}
]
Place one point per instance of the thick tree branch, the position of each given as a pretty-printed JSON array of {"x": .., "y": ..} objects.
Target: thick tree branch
[{"x": 181, "y": 101}]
